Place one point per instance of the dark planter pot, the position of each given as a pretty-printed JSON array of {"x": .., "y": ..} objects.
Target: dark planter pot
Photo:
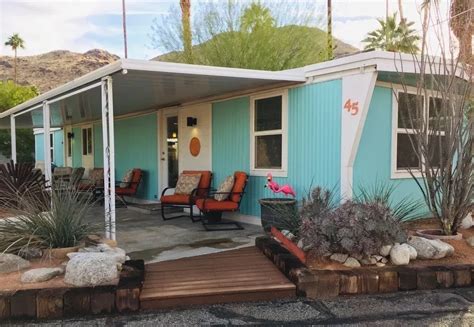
[{"x": 273, "y": 210}]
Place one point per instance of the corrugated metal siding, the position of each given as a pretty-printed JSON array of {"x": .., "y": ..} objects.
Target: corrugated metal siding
[
  {"x": 373, "y": 160},
  {"x": 314, "y": 142}
]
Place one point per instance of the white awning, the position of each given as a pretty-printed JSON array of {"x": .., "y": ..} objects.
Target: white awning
[{"x": 140, "y": 86}]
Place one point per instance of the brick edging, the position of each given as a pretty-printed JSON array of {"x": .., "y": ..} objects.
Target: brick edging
[
  {"x": 365, "y": 280},
  {"x": 62, "y": 302}
]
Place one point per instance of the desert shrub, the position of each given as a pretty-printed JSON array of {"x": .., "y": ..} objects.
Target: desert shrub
[
  {"x": 43, "y": 225},
  {"x": 358, "y": 229},
  {"x": 404, "y": 209}
]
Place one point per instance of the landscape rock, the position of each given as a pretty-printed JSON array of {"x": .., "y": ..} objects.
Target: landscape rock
[
  {"x": 31, "y": 253},
  {"x": 470, "y": 241},
  {"x": 380, "y": 264},
  {"x": 412, "y": 250},
  {"x": 40, "y": 274},
  {"x": 369, "y": 261},
  {"x": 118, "y": 254},
  {"x": 430, "y": 249},
  {"x": 289, "y": 235},
  {"x": 352, "y": 263},
  {"x": 377, "y": 257},
  {"x": 11, "y": 262},
  {"x": 300, "y": 244},
  {"x": 339, "y": 257},
  {"x": 91, "y": 269},
  {"x": 400, "y": 255},
  {"x": 467, "y": 222},
  {"x": 385, "y": 250}
]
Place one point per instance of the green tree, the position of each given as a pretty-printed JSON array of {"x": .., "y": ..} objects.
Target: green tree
[
  {"x": 15, "y": 42},
  {"x": 10, "y": 96},
  {"x": 187, "y": 35},
  {"x": 393, "y": 36},
  {"x": 255, "y": 35}
]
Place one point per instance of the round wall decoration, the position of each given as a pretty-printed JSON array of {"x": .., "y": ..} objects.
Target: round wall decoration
[{"x": 194, "y": 146}]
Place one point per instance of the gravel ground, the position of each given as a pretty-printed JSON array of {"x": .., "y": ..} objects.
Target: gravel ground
[{"x": 420, "y": 308}]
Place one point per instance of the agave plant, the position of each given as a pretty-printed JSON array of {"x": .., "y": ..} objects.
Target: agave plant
[
  {"x": 403, "y": 209},
  {"x": 42, "y": 225}
]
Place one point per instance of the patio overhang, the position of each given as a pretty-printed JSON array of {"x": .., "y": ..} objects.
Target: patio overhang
[{"x": 141, "y": 86}]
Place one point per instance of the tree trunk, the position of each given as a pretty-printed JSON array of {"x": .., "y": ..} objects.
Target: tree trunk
[
  {"x": 14, "y": 69},
  {"x": 400, "y": 9},
  {"x": 330, "y": 46},
  {"x": 124, "y": 24},
  {"x": 186, "y": 30}
]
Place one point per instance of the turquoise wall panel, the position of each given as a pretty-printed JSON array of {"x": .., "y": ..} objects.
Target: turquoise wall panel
[
  {"x": 314, "y": 131},
  {"x": 373, "y": 160},
  {"x": 136, "y": 147},
  {"x": 58, "y": 139},
  {"x": 98, "y": 146},
  {"x": 77, "y": 147}
]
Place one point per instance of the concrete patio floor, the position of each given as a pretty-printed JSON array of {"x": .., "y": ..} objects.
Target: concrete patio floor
[{"x": 148, "y": 237}]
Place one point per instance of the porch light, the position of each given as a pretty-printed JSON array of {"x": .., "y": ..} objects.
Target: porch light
[
  {"x": 70, "y": 135},
  {"x": 191, "y": 121}
]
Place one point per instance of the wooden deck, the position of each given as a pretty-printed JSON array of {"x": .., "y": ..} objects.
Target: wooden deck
[{"x": 232, "y": 276}]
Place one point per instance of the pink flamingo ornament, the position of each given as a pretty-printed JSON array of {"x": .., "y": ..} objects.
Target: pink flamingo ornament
[{"x": 275, "y": 188}]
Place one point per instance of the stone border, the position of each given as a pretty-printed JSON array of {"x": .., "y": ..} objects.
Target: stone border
[
  {"x": 55, "y": 303},
  {"x": 321, "y": 284}
]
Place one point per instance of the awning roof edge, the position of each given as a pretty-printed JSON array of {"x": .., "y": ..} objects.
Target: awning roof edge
[{"x": 154, "y": 66}]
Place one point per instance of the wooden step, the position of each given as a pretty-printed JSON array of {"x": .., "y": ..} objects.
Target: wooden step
[{"x": 231, "y": 276}]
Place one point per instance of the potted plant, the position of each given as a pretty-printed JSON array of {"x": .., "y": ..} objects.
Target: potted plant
[{"x": 277, "y": 210}]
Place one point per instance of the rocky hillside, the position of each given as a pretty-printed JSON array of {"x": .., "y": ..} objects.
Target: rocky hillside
[{"x": 48, "y": 70}]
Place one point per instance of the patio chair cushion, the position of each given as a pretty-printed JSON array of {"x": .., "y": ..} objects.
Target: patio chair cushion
[
  {"x": 239, "y": 185},
  {"x": 96, "y": 176},
  {"x": 187, "y": 183},
  {"x": 62, "y": 171},
  {"x": 127, "y": 179},
  {"x": 225, "y": 188},
  {"x": 204, "y": 183},
  {"x": 207, "y": 205},
  {"x": 176, "y": 199}
]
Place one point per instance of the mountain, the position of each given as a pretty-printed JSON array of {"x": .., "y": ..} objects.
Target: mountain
[
  {"x": 314, "y": 48},
  {"x": 49, "y": 70}
]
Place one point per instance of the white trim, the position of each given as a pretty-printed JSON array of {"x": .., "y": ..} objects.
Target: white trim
[
  {"x": 357, "y": 89},
  {"x": 283, "y": 172},
  {"x": 13, "y": 137},
  {"x": 46, "y": 151},
  {"x": 396, "y": 173},
  {"x": 37, "y": 131}
]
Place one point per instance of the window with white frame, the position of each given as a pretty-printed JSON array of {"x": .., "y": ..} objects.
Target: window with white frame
[
  {"x": 407, "y": 121},
  {"x": 269, "y": 134},
  {"x": 87, "y": 141}
]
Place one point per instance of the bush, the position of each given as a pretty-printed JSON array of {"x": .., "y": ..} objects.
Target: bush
[
  {"x": 38, "y": 226},
  {"x": 357, "y": 229}
]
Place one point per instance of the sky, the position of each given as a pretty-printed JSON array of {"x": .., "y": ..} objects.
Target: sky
[{"x": 81, "y": 25}]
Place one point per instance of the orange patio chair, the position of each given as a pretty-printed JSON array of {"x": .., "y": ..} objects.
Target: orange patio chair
[
  {"x": 187, "y": 200},
  {"x": 129, "y": 187},
  {"x": 212, "y": 209}
]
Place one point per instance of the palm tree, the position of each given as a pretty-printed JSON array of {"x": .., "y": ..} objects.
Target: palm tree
[
  {"x": 15, "y": 42},
  {"x": 186, "y": 30},
  {"x": 330, "y": 46},
  {"x": 393, "y": 36},
  {"x": 256, "y": 17},
  {"x": 400, "y": 10},
  {"x": 462, "y": 25}
]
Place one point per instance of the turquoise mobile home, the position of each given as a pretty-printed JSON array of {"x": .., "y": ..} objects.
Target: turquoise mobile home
[{"x": 332, "y": 124}]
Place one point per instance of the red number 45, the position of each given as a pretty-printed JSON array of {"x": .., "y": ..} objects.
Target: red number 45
[{"x": 352, "y": 107}]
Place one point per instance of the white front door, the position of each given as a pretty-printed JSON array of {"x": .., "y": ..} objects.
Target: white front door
[
  {"x": 68, "y": 139},
  {"x": 169, "y": 158},
  {"x": 87, "y": 139}
]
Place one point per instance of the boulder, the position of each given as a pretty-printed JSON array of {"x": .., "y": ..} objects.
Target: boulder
[
  {"x": 339, "y": 257},
  {"x": 400, "y": 255},
  {"x": 91, "y": 269},
  {"x": 470, "y": 241},
  {"x": 430, "y": 249},
  {"x": 10, "y": 262},
  {"x": 385, "y": 250},
  {"x": 412, "y": 250},
  {"x": 40, "y": 274},
  {"x": 118, "y": 254},
  {"x": 368, "y": 261},
  {"x": 352, "y": 263},
  {"x": 467, "y": 222},
  {"x": 31, "y": 253}
]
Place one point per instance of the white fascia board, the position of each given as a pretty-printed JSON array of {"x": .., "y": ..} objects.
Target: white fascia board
[
  {"x": 41, "y": 131},
  {"x": 78, "y": 82},
  {"x": 166, "y": 67}
]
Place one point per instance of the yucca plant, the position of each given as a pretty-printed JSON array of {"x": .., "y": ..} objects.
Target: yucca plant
[
  {"x": 42, "y": 225},
  {"x": 403, "y": 209}
]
